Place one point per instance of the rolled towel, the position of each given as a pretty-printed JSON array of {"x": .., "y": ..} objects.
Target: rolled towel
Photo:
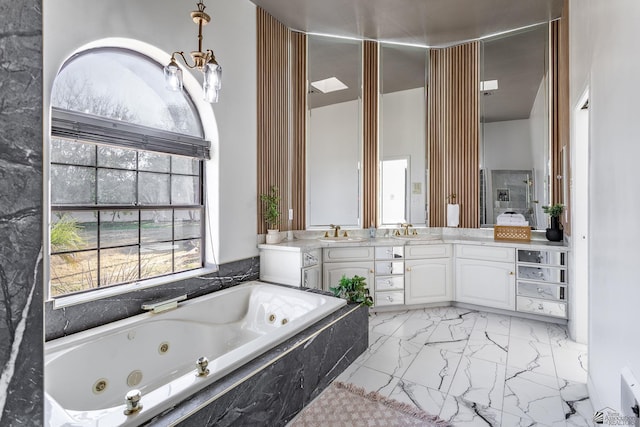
[{"x": 453, "y": 215}]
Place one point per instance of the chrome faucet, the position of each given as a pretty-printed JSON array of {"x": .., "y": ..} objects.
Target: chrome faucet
[
  {"x": 336, "y": 229},
  {"x": 201, "y": 367},
  {"x": 132, "y": 400}
]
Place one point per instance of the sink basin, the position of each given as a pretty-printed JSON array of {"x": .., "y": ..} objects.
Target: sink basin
[
  {"x": 341, "y": 239},
  {"x": 417, "y": 237}
]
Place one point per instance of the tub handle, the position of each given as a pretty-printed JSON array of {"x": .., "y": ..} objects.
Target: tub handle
[
  {"x": 201, "y": 366},
  {"x": 132, "y": 400}
]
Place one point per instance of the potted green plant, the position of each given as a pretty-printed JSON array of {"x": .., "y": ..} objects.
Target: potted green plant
[
  {"x": 353, "y": 290},
  {"x": 554, "y": 233},
  {"x": 271, "y": 213}
]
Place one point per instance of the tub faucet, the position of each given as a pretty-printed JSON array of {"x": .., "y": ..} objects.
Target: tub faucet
[
  {"x": 132, "y": 400},
  {"x": 163, "y": 305},
  {"x": 201, "y": 366},
  {"x": 336, "y": 229}
]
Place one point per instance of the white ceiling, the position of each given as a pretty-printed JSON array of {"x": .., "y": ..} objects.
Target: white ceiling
[{"x": 424, "y": 22}]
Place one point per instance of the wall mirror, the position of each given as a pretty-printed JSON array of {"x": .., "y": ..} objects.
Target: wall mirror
[
  {"x": 334, "y": 70},
  {"x": 515, "y": 167},
  {"x": 402, "y": 151}
]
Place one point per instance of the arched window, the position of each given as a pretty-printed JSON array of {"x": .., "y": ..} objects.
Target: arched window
[{"x": 126, "y": 174}]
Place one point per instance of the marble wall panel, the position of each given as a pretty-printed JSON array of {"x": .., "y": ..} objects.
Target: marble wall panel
[{"x": 21, "y": 376}]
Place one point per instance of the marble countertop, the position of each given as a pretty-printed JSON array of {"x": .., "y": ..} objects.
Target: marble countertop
[{"x": 304, "y": 244}]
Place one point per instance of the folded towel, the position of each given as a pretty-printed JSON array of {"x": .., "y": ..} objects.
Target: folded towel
[
  {"x": 511, "y": 219},
  {"x": 453, "y": 215}
]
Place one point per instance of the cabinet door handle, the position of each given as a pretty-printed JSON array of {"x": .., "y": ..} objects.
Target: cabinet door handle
[
  {"x": 370, "y": 271},
  {"x": 540, "y": 290},
  {"x": 511, "y": 273},
  {"x": 408, "y": 268},
  {"x": 540, "y": 307},
  {"x": 390, "y": 298}
]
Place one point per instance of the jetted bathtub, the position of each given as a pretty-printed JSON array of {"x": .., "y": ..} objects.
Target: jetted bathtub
[{"x": 88, "y": 374}]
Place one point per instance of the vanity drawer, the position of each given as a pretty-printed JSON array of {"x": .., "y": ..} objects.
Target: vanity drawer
[
  {"x": 389, "y": 267},
  {"x": 542, "y": 274},
  {"x": 389, "y": 283},
  {"x": 389, "y": 298},
  {"x": 389, "y": 252},
  {"x": 543, "y": 291},
  {"x": 543, "y": 257},
  {"x": 537, "y": 306},
  {"x": 486, "y": 253},
  {"x": 428, "y": 251},
  {"x": 356, "y": 253}
]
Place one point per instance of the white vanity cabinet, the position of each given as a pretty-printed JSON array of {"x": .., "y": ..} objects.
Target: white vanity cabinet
[
  {"x": 389, "y": 276},
  {"x": 542, "y": 282},
  {"x": 347, "y": 261},
  {"x": 485, "y": 275},
  {"x": 291, "y": 266},
  {"x": 428, "y": 274}
]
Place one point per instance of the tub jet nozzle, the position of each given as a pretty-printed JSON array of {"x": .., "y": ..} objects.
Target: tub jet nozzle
[
  {"x": 201, "y": 366},
  {"x": 132, "y": 400}
]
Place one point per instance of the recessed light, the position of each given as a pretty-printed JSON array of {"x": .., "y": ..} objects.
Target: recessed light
[
  {"x": 331, "y": 84},
  {"x": 489, "y": 85}
]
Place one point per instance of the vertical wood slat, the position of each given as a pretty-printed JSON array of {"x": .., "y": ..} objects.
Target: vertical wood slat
[
  {"x": 299, "y": 124},
  {"x": 453, "y": 133},
  {"x": 273, "y": 80},
  {"x": 560, "y": 116},
  {"x": 370, "y": 134}
]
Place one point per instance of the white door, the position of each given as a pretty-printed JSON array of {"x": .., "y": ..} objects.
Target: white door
[
  {"x": 428, "y": 280},
  {"x": 486, "y": 283}
]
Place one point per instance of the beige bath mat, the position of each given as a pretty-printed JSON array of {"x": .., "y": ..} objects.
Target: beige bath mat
[{"x": 346, "y": 405}]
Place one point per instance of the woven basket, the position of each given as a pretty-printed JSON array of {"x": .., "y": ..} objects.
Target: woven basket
[{"x": 512, "y": 233}]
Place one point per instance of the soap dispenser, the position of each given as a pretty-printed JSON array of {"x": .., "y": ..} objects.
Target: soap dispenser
[{"x": 372, "y": 231}]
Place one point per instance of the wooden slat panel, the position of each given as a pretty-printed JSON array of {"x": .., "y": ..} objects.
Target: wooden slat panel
[
  {"x": 453, "y": 133},
  {"x": 370, "y": 134},
  {"x": 273, "y": 112},
  {"x": 299, "y": 118}
]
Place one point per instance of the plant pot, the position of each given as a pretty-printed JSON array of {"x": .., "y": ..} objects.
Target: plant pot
[
  {"x": 554, "y": 234},
  {"x": 273, "y": 237}
]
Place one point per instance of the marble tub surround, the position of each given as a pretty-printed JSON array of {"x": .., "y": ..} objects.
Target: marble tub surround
[
  {"x": 60, "y": 322},
  {"x": 21, "y": 371},
  {"x": 274, "y": 387},
  {"x": 476, "y": 368}
]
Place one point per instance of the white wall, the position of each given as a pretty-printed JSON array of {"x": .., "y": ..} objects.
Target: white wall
[
  {"x": 604, "y": 57},
  {"x": 333, "y": 157},
  {"x": 167, "y": 26},
  {"x": 402, "y": 118}
]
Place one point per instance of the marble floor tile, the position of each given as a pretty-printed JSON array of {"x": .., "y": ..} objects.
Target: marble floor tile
[
  {"x": 531, "y": 330},
  {"x": 476, "y": 368},
  {"x": 479, "y": 381},
  {"x": 452, "y": 334},
  {"x": 392, "y": 357},
  {"x": 434, "y": 368},
  {"x": 369, "y": 379},
  {"x": 417, "y": 395},
  {"x": 576, "y": 403},
  {"x": 533, "y": 356},
  {"x": 459, "y": 412},
  {"x": 386, "y": 323},
  {"x": 533, "y": 401},
  {"x": 487, "y": 345},
  {"x": 416, "y": 330},
  {"x": 571, "y": 363},
  {"x": 493, "y": 323}
]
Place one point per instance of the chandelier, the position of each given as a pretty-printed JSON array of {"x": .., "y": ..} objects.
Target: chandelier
[{"x": 204, "y": 61}]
